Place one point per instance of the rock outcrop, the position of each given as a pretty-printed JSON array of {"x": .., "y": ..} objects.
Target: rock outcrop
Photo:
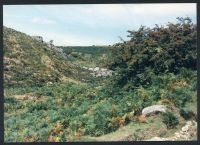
[
  {"x": 188, "y": 132},
  {"x": 99, "y": 72}
]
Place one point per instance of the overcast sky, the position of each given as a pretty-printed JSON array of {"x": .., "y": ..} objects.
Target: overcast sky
[{"x": 94, "y": 24}]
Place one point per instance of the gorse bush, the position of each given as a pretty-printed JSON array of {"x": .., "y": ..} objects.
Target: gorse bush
[
  {"x": 180, "y": 97},
  {"x": 170, "y": 120},
  {"x": 155, "y": 51}
]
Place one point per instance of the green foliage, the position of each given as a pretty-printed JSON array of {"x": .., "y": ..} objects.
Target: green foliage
[
  {"x": 38, "y": 106},
  {"x": 170, "y": 120},
  {"x": 155, "y": 51},
  {"x": 180, "y": 97},
  {"x": 90, "y": 56},
  {"x": 98, "y": 121},
  {"x": 10, "y": 100},
  {"x": 28, "y": 62},
  {"x": 186, "y": 113},
  {"x": 94, "y": 50}
]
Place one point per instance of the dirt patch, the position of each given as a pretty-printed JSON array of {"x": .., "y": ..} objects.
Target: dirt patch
[
  {"x": 12, "y": 39},
  {"x": 15, "y": 113},
  {"x": 67, "y": 79},
  {"x": 29, "y": 96},
  {"x": 47, "y": 61}
]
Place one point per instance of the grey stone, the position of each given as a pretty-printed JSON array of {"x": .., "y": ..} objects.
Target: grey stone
[
  {"x": 154, "y": 109},
  {"x": 96, "y": 69}
]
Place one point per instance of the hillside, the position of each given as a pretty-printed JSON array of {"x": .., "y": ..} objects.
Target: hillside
[
  {"x": 30, "y": 62},
  {"x": 141, "y": 89}
]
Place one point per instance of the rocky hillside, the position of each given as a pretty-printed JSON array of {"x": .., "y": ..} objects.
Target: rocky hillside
[{"x": 30, "y": 62}]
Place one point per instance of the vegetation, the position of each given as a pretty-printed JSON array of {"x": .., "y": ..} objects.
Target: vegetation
[
  {"x": 87, "y": 55},
  {"x": 170, "y": 119},
  {"x": 95, "y": 50},
  {"x": 155, "y": 51},
  {"x": 48, "y": 97},
  {"x": 186, "y": 113},
  {"x": 29, "y": 62}
]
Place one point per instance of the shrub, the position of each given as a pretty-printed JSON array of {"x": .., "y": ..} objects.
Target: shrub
[
  {"x": 180, "y": 96},
  {"x": 186, "y": 113},
  {"x": 37, "y": 106},
  {"x": 150, "y": 52},
  {"x": 170, "y": 119},
  {"x": 76, "y": 123},
  {"x": 97, "y": 123},
  {"x": 10, "y": 100}
]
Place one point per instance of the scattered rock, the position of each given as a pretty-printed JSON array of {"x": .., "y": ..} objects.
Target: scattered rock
[
  {"x": 96, "y": 69},
  {"x": 188, "y": 132},
  {"x": 189, "y": 123},
  {"x": 157, "y": 139},
  {"x": 91, "y": 69},
  {"x": 185, "y": 129},
  {"x": 99, "y": 72},
  {"x": 103, "y": 69},
  {"x": 49, "y": 83},
  {"x": 85, "y": 67},
  {"x": 154, "y": 109}
]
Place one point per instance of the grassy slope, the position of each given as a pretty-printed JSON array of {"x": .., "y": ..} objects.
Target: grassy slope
[
  {"x": 29, "y": 62},
  {"x": 130, "y": 131}
]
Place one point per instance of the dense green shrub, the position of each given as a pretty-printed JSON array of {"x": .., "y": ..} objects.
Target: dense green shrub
[
  {"x": 10, "y": 100},
  {"x": 180, "y": 96},
  {"x": 155, "y": 51},
  {"x": 95, "y": 50},
  {"x": 97, "y": 123},
  {"x": 186, "y": 113},
  {"x": 38, "y": 106},
  {"x": 170, "y": 119}
]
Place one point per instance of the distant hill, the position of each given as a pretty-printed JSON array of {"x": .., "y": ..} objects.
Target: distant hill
[{"x": 30, "y": 62}]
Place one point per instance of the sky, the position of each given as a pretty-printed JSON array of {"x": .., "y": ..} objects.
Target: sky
[{"x": 91, "y": 24}]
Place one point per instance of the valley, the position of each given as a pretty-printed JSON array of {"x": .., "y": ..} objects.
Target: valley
[{"x": 99, "y": 93}]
